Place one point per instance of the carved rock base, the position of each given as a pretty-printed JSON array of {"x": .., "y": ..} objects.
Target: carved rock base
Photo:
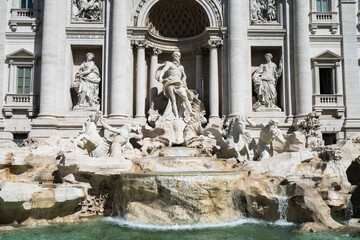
[{"x": 257, "y": 107}]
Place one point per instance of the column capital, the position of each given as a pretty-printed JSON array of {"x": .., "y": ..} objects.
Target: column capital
[
  {"x": 199, "y": 51},
  {"x": 156, "y": 51},
  {"x": 140, "y": 43},
  {"x": 215, "y": 43}
]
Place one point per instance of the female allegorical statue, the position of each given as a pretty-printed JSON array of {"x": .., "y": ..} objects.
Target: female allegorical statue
[
  {"x": 265, "y": 80},
  {"x": 86, "y": 82}
]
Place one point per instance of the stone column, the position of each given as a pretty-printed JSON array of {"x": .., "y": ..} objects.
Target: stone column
[
  {"x": 3, "y": 24},
  {"x": 339, "y": 80},
  {"x": 317, "y": 78},
  {"x": 240, "y": 100},
  {"x": 214, "y": 78},
  {"x": 49, "y": 60},
  {"x": 303, "y": 78},
  {"x": 119, "y": 79},
  {"x": 199, "y": 72},
  {"x": 153, "y": 67},
  {"x": 350, "y": 65},
  {"x": 140, "y": 78}
]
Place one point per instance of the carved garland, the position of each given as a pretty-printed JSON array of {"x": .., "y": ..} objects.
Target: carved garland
[{"x": 210, "y": 2}]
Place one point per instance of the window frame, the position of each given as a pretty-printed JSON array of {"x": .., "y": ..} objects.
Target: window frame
[
  {"x": 18, "y": 67},
  {"x": 27, "y": 3},
  {"x": 332, "y": 68},
  {"x": 329, "y": 9}
]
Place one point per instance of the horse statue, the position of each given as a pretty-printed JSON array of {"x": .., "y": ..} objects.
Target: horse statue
[{"x": 234, "y": 140}]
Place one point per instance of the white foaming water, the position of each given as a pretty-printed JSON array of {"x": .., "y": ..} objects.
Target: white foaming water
[
  {"x": 283, "y": 201},
  {"x": 129, "y": 224},
  {"x": 349, "y": 211},
  {"x": 160, "y": 168}
]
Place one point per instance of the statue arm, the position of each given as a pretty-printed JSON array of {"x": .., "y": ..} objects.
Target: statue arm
[
  {"x": 108, "y": 127},
  {"x": 163, "y": 71},
  {"x": 183, "y": 79}
]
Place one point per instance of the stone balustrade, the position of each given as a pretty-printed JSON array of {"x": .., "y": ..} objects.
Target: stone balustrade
[
  {"x": 23, "y": 13},
  {"x": 20, "y": 102},
  {"x": 23, "y": 17},
  {"x": 329, "y": 102},
  {"x": 324, "y": 20}
]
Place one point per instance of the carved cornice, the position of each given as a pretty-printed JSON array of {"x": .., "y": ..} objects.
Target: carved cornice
[
  {"x": 74, "y": 33},
  {"x": 267, "y": 34},
  {"x": 15, "y": 35},
  {"x": 211, "y": 3}
]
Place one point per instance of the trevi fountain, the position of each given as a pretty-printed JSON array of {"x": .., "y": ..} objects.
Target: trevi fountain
[
  {"x": 180, "y": 172},
  {"x": 177, "y": 174}
]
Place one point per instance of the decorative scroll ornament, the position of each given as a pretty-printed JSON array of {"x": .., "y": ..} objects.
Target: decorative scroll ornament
[{"x": 87, "y": 10}]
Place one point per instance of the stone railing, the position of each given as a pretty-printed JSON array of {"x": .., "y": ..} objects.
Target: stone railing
[
  {"x": 25, "y": 100},
  {"x": 15, "y": 101},
  {"x": 329, "y": 102},
  {"x": 324, "y": 19},
  {"x": 24, "y": 17},
  {"x": 23, "y": 13}
]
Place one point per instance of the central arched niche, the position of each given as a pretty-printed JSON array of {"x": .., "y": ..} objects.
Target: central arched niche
[{"x": 177, "y": 19}]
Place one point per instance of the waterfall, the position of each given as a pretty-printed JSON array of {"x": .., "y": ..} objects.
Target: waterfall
[
  {"x": 349, "y": 209},
  {"x": 249, "y": 207},
  {"x": 283, "y": 201}
]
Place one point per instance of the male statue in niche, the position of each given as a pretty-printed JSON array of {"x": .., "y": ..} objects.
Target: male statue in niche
[
  {"x": 172, "y": 75},
  {"x": 265, "y": 80},
  {"x": 86, "y": 84}
]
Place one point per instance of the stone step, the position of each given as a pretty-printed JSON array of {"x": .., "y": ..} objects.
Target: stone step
[
  {"x": 184, "y": 164},
  {"x": 179, "y": 151}
]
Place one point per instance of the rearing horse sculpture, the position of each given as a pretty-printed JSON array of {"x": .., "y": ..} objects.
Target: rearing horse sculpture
[{"x": 234, "y": 140}]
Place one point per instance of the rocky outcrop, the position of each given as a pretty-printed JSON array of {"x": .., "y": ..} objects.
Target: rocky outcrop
[
  {"x": 177, "y": 185},
  {"x": 308, "y": 207},
  {"x": 20, "y": 201},
  {"x": 178, "y": 198}
]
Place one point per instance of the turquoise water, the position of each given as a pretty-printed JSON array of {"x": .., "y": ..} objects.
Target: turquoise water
[{"x": 119, "y": 229}]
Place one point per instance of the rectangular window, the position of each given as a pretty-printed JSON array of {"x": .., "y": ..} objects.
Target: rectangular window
[
  {"x": 26, "y": 4},
  {"x": 23, "y": 80},
  {"x": 323, "y": 5},
  {"x": 329, "y": 138},
  {"x": 326, "y": 81},
  {"x": 19, "y": 138}
]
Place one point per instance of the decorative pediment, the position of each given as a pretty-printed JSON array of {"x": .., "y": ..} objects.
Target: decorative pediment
[
  {"x": 21, "y": 54},
  {"x": 327, "y": 56}
]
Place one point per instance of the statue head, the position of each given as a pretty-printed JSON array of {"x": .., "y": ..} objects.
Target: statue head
[
  {"x": 176, "y": 56},
  {"x": 90, "y": 56},
  {"x": 268, "y": 57},
  {"x": 95, "y": 116},
  {"x": 274, "y": 122}
]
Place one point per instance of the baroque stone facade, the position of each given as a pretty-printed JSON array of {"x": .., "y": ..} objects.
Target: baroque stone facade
[{"x": 311, "y": 52}]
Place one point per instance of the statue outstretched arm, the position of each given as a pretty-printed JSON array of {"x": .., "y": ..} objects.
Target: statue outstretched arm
[
  {"x": 163, "y": 71},
  {"x": 108, "y": 127}
]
